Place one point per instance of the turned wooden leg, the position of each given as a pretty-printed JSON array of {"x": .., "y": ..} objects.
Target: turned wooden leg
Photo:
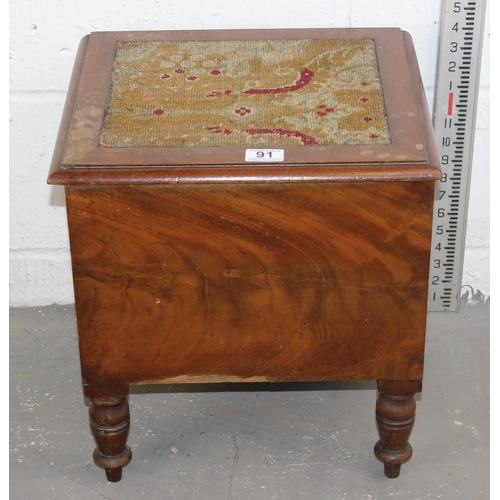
[
  {"x": 110, "y": 423},
  {"x": 395, "y": 417}
]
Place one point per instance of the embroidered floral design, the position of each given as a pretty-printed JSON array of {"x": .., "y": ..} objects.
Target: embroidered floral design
[
  {"x": 262, "y": 93},
  {"x": 217, "y": 94},
  {"x": 218, "y": 130},
  {"x": 305, "y": 78},
  {"x": 323, "y": 110},
  {"x": 242, "y": 111},
  {"x": 307, "y": 140}
]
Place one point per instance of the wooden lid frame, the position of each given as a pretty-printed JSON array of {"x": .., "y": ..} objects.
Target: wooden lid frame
[{"x": 411, "y": 155}]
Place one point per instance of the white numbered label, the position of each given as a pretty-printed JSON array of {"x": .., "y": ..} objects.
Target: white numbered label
[{"x": 264, "y": 155}]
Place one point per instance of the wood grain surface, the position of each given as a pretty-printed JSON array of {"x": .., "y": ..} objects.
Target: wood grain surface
[{"x": 229, "y": 282}]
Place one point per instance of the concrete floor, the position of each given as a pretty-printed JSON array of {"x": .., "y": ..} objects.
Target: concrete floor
[{"x": 285, "y": 442}]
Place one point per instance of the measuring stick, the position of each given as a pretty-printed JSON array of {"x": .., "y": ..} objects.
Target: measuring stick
[{"x": 457, "y": 86}]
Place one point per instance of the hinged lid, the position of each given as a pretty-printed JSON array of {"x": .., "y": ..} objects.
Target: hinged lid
[{"x": 245, "y": 106}]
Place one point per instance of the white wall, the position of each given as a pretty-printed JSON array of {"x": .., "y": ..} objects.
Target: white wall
[{"x": 44, "y": 36}]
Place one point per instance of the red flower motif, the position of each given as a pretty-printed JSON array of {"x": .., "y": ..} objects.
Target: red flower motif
[
  {"x": 215, "y": 93},
  {"x": 364, "y": 99},
  {"x": 323, "y": 110},
  {"x": 215, "y": 72},
  {"x": 192, "y": 78},
  {"x": 165, "y": 76},
  {"x": 364, "y": 84},
  {"x": 218, "y": 130},
  {"x": 242, "y": 111},
  {"x": 158, "y": 112},
  {"x": 373, "y": 136},
  {"x": 180, "y": 71},
  {"x": 367, "y": 119}
]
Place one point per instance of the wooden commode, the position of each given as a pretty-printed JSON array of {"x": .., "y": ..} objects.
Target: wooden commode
[{"x": 248, "y": 205}]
